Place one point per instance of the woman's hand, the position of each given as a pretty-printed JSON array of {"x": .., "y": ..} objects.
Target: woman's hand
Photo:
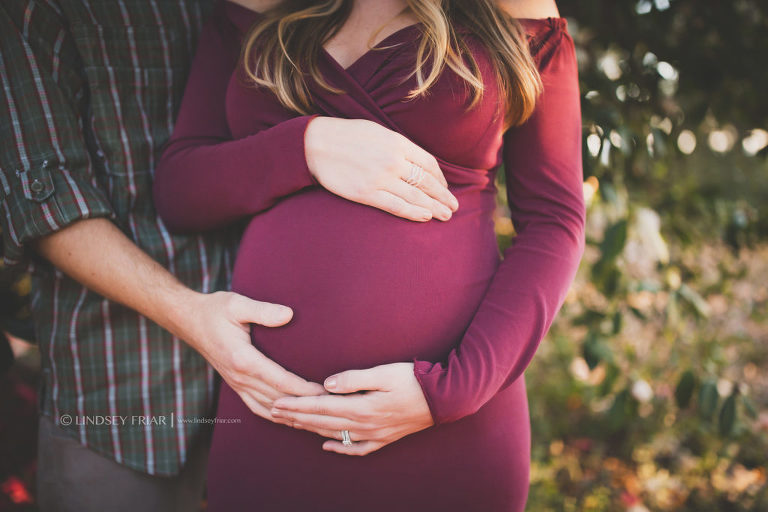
[
  {"x": 386, "y": 403},
  {"x": 369, "y": 164}
]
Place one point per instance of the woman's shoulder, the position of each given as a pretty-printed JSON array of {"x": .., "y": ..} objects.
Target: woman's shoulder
[
  {"x": 530, "y": 9},
  {"x": 542, "y": 35},
  {"x": 540, "y": 29},
  {"x": 540, "y": 19}
]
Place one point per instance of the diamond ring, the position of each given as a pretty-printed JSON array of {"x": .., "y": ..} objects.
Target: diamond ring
[{"x": 416, "y": 175}]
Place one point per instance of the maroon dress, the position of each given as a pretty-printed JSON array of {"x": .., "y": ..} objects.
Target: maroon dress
[{"x": 368, "y": 288}]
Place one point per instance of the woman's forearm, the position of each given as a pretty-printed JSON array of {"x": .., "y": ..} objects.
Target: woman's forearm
[
  {"x": 204, "y": 178},
  {"x": 202, "y": 183}
]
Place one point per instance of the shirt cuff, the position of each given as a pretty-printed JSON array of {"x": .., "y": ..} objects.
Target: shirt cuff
[{"x": 41, "y": 200}]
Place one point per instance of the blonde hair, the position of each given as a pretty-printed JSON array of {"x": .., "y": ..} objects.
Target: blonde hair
[{"x": 286, "y": 43}]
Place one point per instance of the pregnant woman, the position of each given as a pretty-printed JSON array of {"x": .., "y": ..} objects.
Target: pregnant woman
[{"x": 392, "y": 264}]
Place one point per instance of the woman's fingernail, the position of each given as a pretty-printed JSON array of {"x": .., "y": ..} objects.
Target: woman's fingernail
[
  {"x": 276, "y": 412},
  {"x": 445, "y": 213},
  {"x": 283, "y": 314},
  {"x": 330, "y": 383},
  {"x": 454, "y": 203}
]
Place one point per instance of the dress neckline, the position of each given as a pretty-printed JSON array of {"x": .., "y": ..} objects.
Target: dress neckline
[
  {"x": 392, "y": 40},
  {"x": 244, "y": 18}
]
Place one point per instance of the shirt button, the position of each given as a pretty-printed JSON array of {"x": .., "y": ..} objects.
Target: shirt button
[{"x": 37, "y": 186}]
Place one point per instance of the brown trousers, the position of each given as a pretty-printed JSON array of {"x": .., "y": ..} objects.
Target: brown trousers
[{"x": 70, "y": 477}]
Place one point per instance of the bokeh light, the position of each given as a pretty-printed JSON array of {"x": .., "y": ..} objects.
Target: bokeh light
[
  {"x": 722, "y": 140},
  {"x": 686, "y": 142},
  {"x": 755, "y": 141}
]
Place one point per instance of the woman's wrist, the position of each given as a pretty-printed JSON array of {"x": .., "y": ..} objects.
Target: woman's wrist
[
  {"x": 418, "y": 372},
  {"x": 314, "y": 143}
]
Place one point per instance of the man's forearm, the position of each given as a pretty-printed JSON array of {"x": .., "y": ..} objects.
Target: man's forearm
[{"x": 97, "y": 254}]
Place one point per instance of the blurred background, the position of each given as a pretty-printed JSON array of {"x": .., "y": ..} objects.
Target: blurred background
[{"x": 650, "y": 392}]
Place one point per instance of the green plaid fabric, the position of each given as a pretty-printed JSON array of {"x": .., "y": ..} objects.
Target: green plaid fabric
[{"x": 88, "y": 92}]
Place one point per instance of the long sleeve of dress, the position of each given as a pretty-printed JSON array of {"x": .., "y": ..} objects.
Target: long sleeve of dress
[
  {"x": 205, "y": 179},
  {"x": 542, "y": 160}
]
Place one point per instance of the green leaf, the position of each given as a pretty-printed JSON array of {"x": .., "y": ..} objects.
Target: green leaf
[
  {"x": 627, "y": 137},
  {"x": 659, "y": 147},
  {"x": 608, "y": 192},
  {"x": 749, "y": 406},
  {"x": 607, "y": 277},
  {"x": 728, "y": 416},
  {"x": 589, "y": 317},
  {"x": 697, "y": 301},
  {"x": 596, "y": 350},
  {"x": 684, "y": 389},
  {"x": 604, "y": 271},
  {"x": 612, "y": 372},
  {"x": 618, "y": 320},
  {"x": 648, "y": 286},
  {"x": 708, "y": 398},
  {"x": 614, "y": 241},
  {"x": 623, "y": 410},
  {"x": 673, "y": 311}
]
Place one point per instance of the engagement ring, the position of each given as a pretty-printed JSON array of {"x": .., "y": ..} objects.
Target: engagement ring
[{"x": 416, "y": 175}]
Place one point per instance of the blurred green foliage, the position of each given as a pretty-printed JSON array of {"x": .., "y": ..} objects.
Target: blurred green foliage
[{"x": 650, "y": 392}]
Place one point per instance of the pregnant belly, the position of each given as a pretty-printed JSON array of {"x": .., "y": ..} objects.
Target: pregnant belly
[{"x": 366, "y": 287}]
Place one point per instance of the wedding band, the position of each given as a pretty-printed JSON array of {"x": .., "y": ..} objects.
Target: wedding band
[
  {"x": 345, "y": 440},
  {"x": 416, "y": 175}
]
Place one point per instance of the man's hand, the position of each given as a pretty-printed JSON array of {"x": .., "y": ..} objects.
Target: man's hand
[
  {"x": 386, "y": 403},
  {"x": 98, "y": 255},
  {"x": 369, "y": 164},
  {"x": 219, "y": 328}
]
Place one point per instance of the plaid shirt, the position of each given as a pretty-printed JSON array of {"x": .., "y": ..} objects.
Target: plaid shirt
[{"x": 88, "y": 95}]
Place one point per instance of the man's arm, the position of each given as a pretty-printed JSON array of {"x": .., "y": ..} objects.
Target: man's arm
[
  {"x": 98, "y": 255},
  {"x": 52, "y": 203},
  {"x": 47, "y": 178}
]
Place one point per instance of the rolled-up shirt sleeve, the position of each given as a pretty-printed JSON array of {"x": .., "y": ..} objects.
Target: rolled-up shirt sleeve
[
  {"x": 542, "y": 160},
  {"x": 47, "y": 178}
]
